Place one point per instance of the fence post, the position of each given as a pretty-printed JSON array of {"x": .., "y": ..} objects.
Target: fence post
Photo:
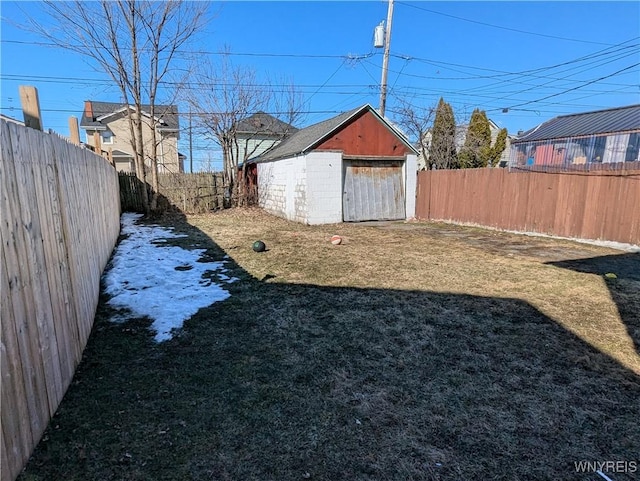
[
  {"x": 74, "y": 131},
  {"x": 97, "y": 145},
  {"x": 30, "y": 106}
]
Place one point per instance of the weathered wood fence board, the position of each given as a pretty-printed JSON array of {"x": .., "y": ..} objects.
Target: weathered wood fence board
[
  {"x": 131, "y": 191},
  {"x": 59, "y": 222},
  {"x": 599, "y": 205},
  {"x": 190, "y": 193}
]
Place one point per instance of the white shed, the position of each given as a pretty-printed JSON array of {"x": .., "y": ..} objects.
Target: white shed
[{"x": 353, "y": 167}]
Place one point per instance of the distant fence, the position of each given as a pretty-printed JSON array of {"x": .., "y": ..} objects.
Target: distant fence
[
  {"x": 585, "y": 205},
  {"x": 190, "y": 193},
  {"x": 60, "y": 216}
]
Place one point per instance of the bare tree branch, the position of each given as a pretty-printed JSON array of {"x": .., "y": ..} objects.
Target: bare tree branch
[
  {"x": 234, "y": 93},
  {"x": 417, "y": 122},
  {"x": 135, "y": 43}
]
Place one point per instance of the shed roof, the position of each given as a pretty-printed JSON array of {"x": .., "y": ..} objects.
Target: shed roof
[
  {"x": 263, "y": 123},
  {"x": 306, "y": 139},
  {"x": 101, "y": 110},
  {"x": 619, "y": 119}
]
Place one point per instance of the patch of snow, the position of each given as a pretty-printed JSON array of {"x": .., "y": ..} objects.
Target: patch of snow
[{"x": 143, "y": 278}]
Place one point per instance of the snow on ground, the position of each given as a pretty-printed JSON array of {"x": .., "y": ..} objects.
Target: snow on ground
[{"x": 143, "y": 278}]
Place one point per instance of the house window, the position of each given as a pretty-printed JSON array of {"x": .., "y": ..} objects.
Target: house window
[
  {"x": 107, "y": 137},
  {"x": 633, "y": 148},
  {"x": 616, "y": 148},
  {"x": 597, "y": 154}
]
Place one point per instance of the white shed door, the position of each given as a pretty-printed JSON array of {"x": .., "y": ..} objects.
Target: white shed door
[{"x": 373, "y": 190}]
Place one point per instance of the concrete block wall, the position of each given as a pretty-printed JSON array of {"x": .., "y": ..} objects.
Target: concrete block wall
[
  {"x": 282, "y": 188},
  {"x": 324, "y": 187},
  {"x": 308, "y": 189},
  {"x": 271, "y": 188}
]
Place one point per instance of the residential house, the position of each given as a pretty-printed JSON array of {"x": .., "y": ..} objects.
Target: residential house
[
  {"x": 599, "y": 139},
  {"x": 352, "y": 167},
  {"x": 461, "y": 136},
  {"x": 107, "y": 127},
  {"x": 259, "y": 133}
]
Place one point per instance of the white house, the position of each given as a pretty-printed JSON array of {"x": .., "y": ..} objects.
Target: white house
[
  {"x": 258, "y": 133},
  {"x": 461, "y": 136},
  {"x": 353, "y": 167}
]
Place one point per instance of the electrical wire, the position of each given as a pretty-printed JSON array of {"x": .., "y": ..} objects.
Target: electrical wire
[
  {"x": 210, "y": 52},
  {"x": 574, "y": 88},
  {"x": 526, "y": 32}
]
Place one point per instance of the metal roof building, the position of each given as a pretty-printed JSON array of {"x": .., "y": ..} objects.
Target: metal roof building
[{"x": 603, "y": 139}]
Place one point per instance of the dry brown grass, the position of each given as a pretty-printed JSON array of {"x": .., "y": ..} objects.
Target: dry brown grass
[
  {"x": 434, "y": 258},
  {"x": 412, "y": 351}
]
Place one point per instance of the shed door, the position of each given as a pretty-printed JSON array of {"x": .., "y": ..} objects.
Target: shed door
[{"x": 373, "y": 190}]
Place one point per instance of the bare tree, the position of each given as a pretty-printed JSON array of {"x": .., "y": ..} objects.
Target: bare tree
[
  {"x": 135, "y": 42},
  {"x": 417, "y": 122},
  {"x": 230, "y": 94}
]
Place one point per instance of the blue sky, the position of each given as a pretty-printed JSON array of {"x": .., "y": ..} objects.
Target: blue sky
[{"x": 536, "y": 59}]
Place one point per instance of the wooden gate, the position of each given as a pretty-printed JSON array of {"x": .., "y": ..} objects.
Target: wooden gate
[{"x": 373, "y": 190}]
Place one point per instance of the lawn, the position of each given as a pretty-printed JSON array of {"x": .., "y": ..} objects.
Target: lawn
[{"x": 413, "y": 351}]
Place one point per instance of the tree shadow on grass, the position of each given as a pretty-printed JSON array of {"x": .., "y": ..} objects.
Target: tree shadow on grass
[
  {"x": 622, "y": 274},
  {"x": 288, "y": 382}
]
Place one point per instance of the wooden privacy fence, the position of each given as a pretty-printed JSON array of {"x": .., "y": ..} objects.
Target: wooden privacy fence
[
  {"x": 585, "y": 205},
  {"x": 60, "y": 221},
  {"x": 190, "y": 193}
]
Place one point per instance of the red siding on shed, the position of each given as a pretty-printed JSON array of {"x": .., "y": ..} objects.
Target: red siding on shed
[{"x": 366, "y": 136}]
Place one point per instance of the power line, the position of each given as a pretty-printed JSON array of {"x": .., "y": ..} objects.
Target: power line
[
  {"x": 614, "y": 55},
  {"x": 586, "y": 68},
  {"x": 326, "y": 81},
  {"x": 524, "y": 73},
  {"x": 537, "y": 34},
  {"x": 200, "y": 113},
  {"x": 575, "y": 88},
  {"x": 442, "y": 64},
  {"x": 209, "y": 52},
  {"x": 358, "y": 87},
  {"x": 187, "y": 85},
  {"x": 472, "y": 78}
]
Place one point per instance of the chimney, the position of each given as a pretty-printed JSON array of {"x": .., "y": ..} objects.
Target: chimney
[{"x": 88, "y": 109}]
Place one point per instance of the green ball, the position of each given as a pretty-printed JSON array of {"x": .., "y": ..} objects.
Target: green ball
[{"x": 259, "y": 246}]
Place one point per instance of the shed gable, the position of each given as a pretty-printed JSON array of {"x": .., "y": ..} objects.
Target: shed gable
[{"x": 366, "y": 135}]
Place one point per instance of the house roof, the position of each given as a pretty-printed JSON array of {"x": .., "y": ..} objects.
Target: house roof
[
  {"x": 263, "y": 123},
  {"x": 306, "y": 139},
  {"x": 96, "y": 113},
  {"x": 619, "y": 119}
]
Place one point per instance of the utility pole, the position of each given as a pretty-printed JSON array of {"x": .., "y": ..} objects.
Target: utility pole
[{"x": 385, "y": 60}]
